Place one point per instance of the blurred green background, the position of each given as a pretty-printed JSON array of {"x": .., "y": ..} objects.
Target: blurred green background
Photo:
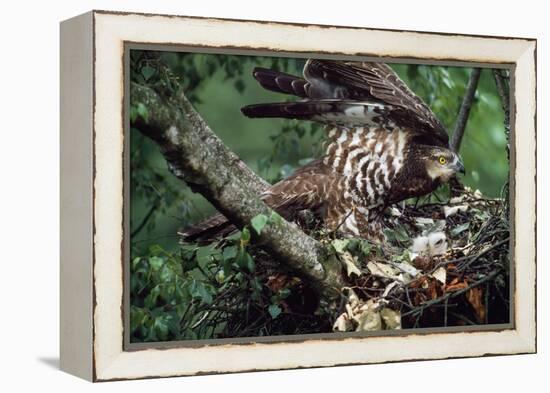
[{"x": 219, "y": 85}]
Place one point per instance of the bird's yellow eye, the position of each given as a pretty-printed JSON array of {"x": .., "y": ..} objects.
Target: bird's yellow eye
[{"x": 442, "y": 160}]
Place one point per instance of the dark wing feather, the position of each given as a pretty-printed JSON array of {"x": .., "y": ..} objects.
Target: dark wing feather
[
  {"x": 379, "y": 83},
  {"x": 333, "y": 111},
  {"x": 280, "y": 82}
]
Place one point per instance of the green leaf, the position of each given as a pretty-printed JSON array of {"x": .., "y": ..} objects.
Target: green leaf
[
  {"x": 245, "y": 261},
  {"x": 227, "y": 269},
  {"x": 167, "y": 273},
  {"x": 142, "y": 111},
  {"x": 365, "y": 247},
  {"x": 156, "y": 263},
  {"x": 199, "y": 290},
  {"x": 235, "y": 236},
  {"x": 188, "y": 250},
  {"x": 340, "y": 245},
  {"x": 283, "y": 293},
  {"x": 405, "y": 256},
  {"x": 258, "y": 223},
  {"x": 229, "y": 253},
  {"x": 274, "y": 311},
  {"x": 245, "y": 236},
  {"x": 137, "y": 317},
  {"x": 204, "y": 255},
  {"x": 147, "y": 72},
  {"x": 161, "y": 328},
  {"x": 240, "y": 258},
  {"x": 133, "y": 114},
  {"x": 151, "y": 299},
  {"x": 275, "y": 218},
  {"x": 135, "y": 263},
  {"x": 399, "y": 234},
  {"x": 459, "y": 229},
  {"x": 250, "y": 264}
]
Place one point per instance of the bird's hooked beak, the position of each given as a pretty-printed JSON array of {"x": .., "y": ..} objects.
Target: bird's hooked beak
[{"x": 459, "y": 166}]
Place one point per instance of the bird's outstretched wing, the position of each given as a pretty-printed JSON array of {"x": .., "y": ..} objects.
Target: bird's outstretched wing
[{"x": 350, "y": 93}]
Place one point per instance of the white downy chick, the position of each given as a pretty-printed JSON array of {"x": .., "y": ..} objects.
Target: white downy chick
[
  {"x": 420, "y": 246},
  {"x": 437, "y": 243}
]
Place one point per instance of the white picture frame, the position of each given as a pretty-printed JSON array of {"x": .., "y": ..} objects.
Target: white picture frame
[{"x": 92, "y": 194}]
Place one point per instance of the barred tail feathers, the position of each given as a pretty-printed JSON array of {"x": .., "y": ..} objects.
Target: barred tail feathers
[{"x": 209, "y": 229}]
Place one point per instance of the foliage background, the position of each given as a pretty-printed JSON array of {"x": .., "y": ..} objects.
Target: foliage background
[{"x": 218, "y": 86}]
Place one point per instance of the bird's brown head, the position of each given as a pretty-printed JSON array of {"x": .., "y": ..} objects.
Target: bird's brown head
[{"x": 440, "y": 163}]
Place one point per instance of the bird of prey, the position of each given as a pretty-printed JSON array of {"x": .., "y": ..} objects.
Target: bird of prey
[{"x": 384, "y": 145}]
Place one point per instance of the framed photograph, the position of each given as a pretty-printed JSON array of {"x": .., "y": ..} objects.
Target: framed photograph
[{"x": 245, "y": 195}]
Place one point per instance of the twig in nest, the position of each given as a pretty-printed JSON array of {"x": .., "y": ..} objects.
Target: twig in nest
[{"x": 449, "y": 295}]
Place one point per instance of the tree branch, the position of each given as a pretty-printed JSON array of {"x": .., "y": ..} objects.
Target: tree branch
[
  {"x": 502, "y": 83},
  {"x": 146, "y": 218},
  {"x": 464, "y": 112},
  {"x": 197, "y": 156}
]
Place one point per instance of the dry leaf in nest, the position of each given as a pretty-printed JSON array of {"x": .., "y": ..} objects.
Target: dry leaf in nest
[
  {"x": 408, "y": 269},
  {"x": 389, "y": 288},
  {"x": 366, "y": 316},
  {"x": 353, "y": 299},
  {"x": 277, "y": 282},
  {"x": 419, "y": 296},
  {"x": 351, "y": 264},
  {"x": 418, "y": 283},
  {"x": 440, "y": 275},
  {"x": 368, "y": 320},
  {"x": 391, "y": 318},
  {"x": 457, "y": 199},
  {"x": 376, "y": 316},
  {"x": 434, "y": 289},
  {"x": 423, "y": 222},
  {"x": 383, "y": 270},
  {"x": 452, "y": 210},
  {"x": 455, "y": 285},
  {"x": 422, "y": 263},
  {"x": 474, "y": 297},
  {"x": 343, "y": 323}
]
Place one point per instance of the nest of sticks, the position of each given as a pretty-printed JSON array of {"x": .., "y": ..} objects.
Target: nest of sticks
[{"x": 447, "y": 265}]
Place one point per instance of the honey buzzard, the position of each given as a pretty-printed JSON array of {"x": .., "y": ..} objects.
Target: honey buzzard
[{"x": 384, "y": 145}]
